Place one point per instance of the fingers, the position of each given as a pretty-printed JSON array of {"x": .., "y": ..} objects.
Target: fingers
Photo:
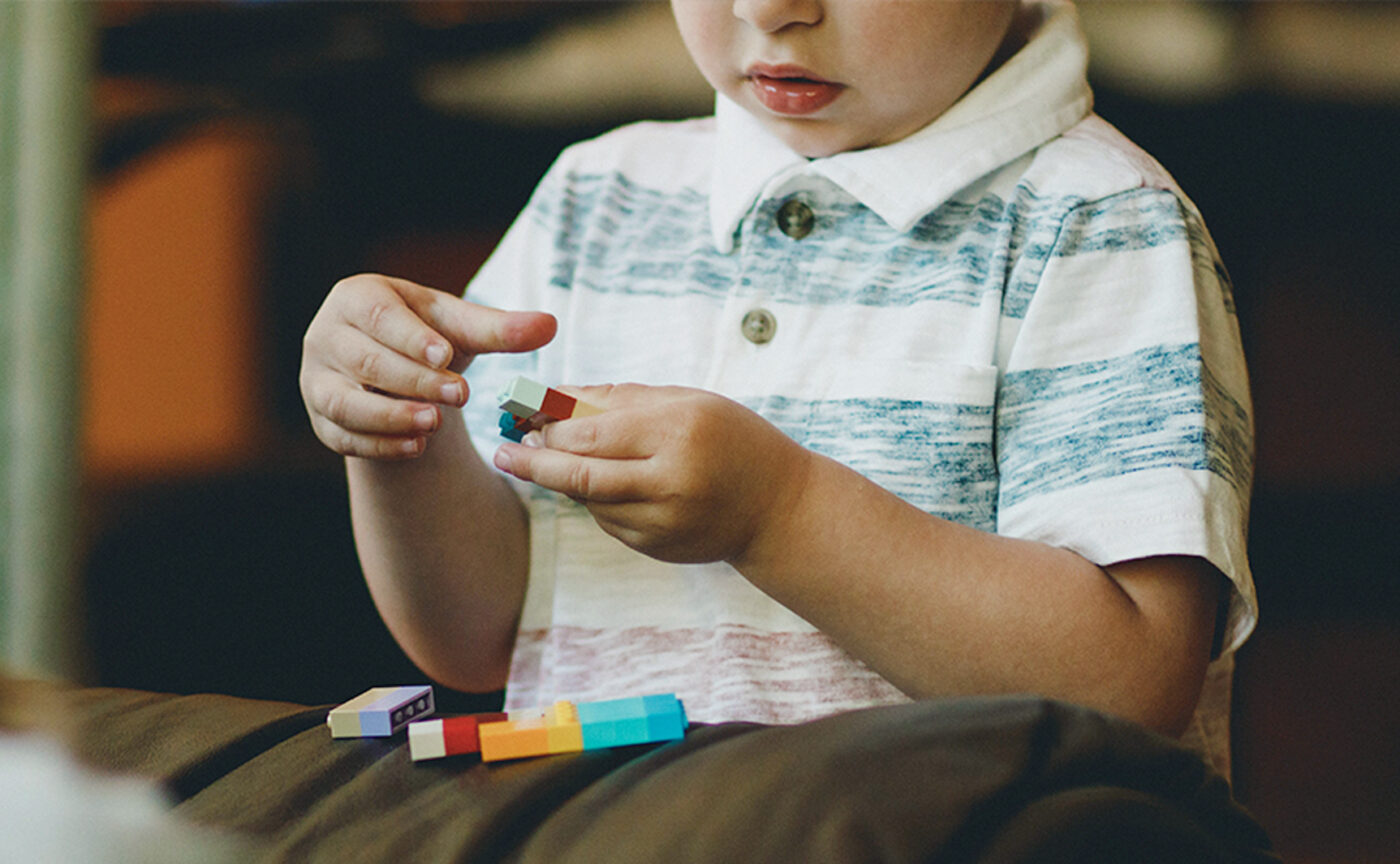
[
  {"x": 365, "y": 361},
  {"x": 366, "y": 333},
  {"x": 354, "y": 421},
  {"x": 583, "y": 478},
  {"x": 473, "y": 329},
  {"x": 383, "y": 354},
  {"x": 436, "y": 333}
]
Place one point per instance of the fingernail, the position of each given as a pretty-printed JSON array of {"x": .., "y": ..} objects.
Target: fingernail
[
  {"x": 533, "y": 439},
  {"x": 502, "y": 459},
  {"x": 425, "y": 419},
  {"x": 452, "y": 393},
  {"x": 437, "y": 355}
]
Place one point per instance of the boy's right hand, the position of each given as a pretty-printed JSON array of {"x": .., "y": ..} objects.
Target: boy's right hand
[{"x": 384, "y": 355}]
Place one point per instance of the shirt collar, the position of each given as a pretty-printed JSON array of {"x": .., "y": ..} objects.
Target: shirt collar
[{"x": 1036, "y": 95}]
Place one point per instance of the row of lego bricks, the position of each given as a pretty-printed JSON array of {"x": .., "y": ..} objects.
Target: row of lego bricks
[
  {"x": 528, "y": 405},
  {"x": 564, "y": 727}
]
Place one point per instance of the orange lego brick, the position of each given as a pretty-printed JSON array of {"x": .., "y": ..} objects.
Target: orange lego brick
[{"x": 511, "y": 739}]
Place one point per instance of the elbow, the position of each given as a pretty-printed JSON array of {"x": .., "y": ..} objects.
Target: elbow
[
  {"x": 1160, "y": 697},
  {"x": 462, "y": 664},
  {"x": 466, "y": 678},
  {"x": 1167, "y": 716}
]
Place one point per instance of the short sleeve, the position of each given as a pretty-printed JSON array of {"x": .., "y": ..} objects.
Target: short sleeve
[{"x": 1123, "y": 425}]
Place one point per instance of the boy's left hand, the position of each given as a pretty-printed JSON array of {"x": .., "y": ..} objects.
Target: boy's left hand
[{"x": 679, "y": 474}]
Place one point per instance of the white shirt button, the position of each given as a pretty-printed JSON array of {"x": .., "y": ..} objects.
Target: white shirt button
[{"x": 759, "y": 326}]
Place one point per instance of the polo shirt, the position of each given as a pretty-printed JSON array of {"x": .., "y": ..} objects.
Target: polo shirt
[{"x": 1012, "y": 319}]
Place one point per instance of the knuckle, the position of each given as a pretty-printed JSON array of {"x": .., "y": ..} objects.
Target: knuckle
[
  {"x": 356, "y": 283},
  {"x": 395, "y": 448},
  {"x": 377, "y": 317},
  {"x": 335, "y": 407},
  {"x": 429, "y": 384},
  {"x": 581, "y": 438},
  {"x": 581, "y": 479},
  {"x": 368, "y": 366},
  {"x": 336, "y": 439}
]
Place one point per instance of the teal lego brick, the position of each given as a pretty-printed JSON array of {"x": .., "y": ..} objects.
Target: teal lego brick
[
  {"x": 511, "y": 428},
  {"x": 666, "y": 719},
  {"x": 634, "y": 720},
  {"x": 612, "y": 709}
]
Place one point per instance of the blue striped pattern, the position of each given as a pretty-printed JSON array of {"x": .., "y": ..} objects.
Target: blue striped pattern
[
  {"x": 957, "y": 253},
  {"x": 936, "y": 456},
  {"x": 1153, "y": 409},
  {"x": 1053, "y": 428}
]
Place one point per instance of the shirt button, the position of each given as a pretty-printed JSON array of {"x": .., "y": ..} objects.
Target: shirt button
[
  {"x": 795, "y": 219},
  {"x": 759, "y": 326}
]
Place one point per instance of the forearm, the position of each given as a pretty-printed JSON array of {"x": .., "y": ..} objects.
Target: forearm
[
  {"x": 942, "y": 609},
  {"x": 443, "y": 542}
]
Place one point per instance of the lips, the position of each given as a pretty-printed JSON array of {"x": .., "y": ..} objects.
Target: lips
[{"x": 791, "y": 90}]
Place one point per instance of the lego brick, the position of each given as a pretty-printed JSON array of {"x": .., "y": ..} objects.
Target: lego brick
[
  {"x": 538, "y": 732},
  {"x": 635, "y": 720},
  {"x": 380, "y": 711},
  {"x": 568, "y": 728},
  {"x": 521, "y": 396},
  {"x": 533, "y": 422},
  {"x": 613, "y": 723},
  {"x": 449, "y": 736},
  {"x": 530, "y": 405},
  {"x": 557, "y": 404},
  {"x": 426, "y": 741},
  {"x": 514, "y": 739},
  {"x": 585, "y": 409},
  {"x": 666, "y": 719},
  {"x": 462, "y": 734},
  {"x": 565, "y": 733}
]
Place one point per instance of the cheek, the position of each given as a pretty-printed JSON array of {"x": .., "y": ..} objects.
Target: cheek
[{"x": 706, "y": 34}]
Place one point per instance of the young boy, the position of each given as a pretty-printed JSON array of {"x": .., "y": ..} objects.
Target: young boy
[{"x": 940, "y": 392}]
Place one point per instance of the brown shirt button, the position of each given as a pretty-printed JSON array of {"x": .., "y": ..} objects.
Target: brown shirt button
[
  {"x": 759, "y": 326},
  {"x": 795, "y": 219}
]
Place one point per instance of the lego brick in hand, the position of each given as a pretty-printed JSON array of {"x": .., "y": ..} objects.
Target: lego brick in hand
[
  {"x": 380, "y": 711},
  {"x": 529, "y": 405}
]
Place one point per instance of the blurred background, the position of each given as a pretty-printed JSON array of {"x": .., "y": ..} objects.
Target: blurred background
[{"x": 210, "y": 169}]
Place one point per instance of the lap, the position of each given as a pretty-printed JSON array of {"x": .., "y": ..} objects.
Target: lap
[{"x": 990, "y": 779}]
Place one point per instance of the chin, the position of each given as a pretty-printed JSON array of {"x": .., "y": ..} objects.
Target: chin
[{"x": 815, "y": 145}]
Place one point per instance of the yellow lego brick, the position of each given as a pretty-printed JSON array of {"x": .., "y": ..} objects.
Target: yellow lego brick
[
  {"x": 565, "y": 733},
  {"x": 584, "y": 409}
]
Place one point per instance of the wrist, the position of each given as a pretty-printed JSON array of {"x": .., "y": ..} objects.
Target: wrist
[{"x": 778, "y": 524}]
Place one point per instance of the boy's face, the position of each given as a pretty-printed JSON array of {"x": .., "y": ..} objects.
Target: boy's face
[{"x": 833, "y": 75}]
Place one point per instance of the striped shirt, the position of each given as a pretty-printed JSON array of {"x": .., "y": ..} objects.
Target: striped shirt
[{"x": 1012, "y": 319}]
